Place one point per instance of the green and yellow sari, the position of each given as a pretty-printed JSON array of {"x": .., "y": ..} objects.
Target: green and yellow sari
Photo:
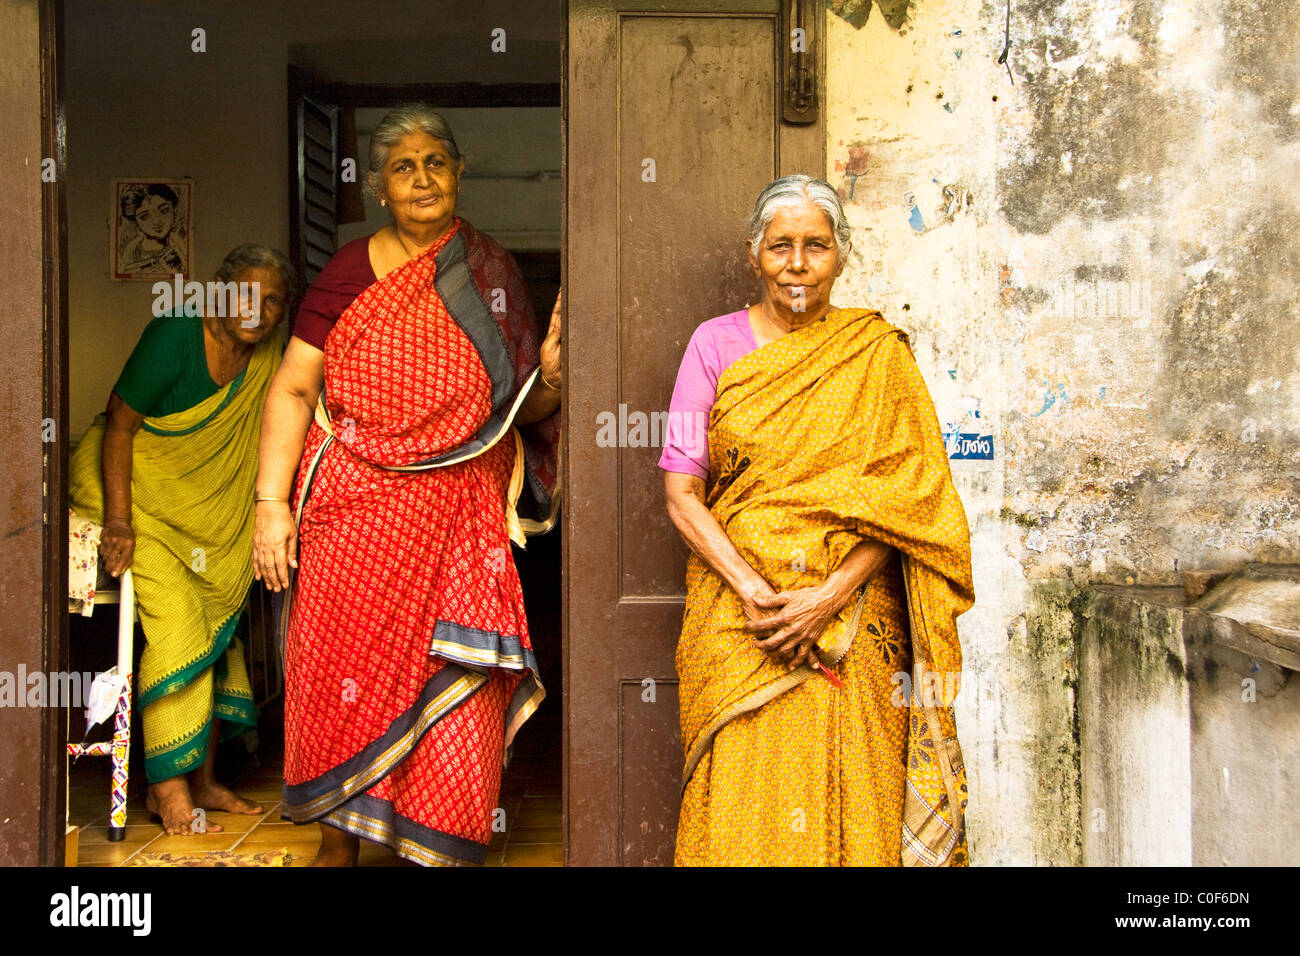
[
  {"x": 192, "y": 477},
  {"x": 817, "y": 441}
]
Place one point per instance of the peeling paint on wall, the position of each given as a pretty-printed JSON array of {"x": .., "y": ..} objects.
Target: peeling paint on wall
[{"x": 857, "y": 12}]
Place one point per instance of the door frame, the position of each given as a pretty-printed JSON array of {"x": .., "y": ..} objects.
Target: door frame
[
  {"x": 54, "y": 240},
  {"x": 45, "y": 775},
  {"x": 35, "y": 786}
]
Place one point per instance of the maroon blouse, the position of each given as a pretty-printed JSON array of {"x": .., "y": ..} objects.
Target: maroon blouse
[{"x": 345, "y": 276}]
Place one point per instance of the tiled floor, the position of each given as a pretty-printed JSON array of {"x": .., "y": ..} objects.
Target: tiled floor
[{"x": 530, "y": 797}]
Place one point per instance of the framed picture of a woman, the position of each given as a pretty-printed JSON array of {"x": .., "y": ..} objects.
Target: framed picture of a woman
[{"x": 153, "y": 231}]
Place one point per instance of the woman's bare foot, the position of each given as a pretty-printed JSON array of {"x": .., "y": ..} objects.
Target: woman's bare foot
[
  {"x": 215, "y": 796},
  {"x": 210, "y": 795},
  {"x": 170, "y": 800},
  {"x": 337, "y": 847}
]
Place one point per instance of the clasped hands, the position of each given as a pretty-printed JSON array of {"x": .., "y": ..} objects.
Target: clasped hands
[{"x": 787, "y": 624}]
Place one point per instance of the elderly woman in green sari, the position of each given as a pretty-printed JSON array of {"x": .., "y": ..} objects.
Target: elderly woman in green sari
[{"x": 168, "y": 471}]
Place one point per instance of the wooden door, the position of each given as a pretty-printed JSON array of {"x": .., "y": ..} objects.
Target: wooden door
[{"x": 674, "y": 125}]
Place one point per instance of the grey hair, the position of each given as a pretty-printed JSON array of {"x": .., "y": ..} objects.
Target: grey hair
[
  {"x": 399, "y": 123},
  {"x": 791, "y": 191},
  {"x": 250, "y": 256}
]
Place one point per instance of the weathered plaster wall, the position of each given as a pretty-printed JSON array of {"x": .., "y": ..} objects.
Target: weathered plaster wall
[
  {"x": 1189, "y": 744},
  {"x": 1094, "y": 249}
]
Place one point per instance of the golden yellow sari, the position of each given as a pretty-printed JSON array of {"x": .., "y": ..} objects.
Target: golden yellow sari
[{"x": 817, "y": 441}]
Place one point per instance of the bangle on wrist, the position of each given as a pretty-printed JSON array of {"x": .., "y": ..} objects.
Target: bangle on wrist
[
  {"x": 553, "y": 388},
  {"x": 269, "y": 498}
]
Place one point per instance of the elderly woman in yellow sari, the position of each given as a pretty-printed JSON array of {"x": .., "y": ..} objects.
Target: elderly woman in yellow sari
[
  {"x": 168, "y": 471},
  {"x": 818, "y": 657}
]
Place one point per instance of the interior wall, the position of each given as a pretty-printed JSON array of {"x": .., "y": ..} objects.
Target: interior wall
[
  {"x": 155, "y": 108},
  {"x": 142, "y": 102},
  {"x": 1099, "y": 256}
]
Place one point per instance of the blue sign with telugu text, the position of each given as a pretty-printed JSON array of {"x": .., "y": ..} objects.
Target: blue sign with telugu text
[{"x": 968, "y": 446}]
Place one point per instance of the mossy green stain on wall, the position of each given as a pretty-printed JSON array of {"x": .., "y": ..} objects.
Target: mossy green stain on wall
[{"x": 1051, "y": 633}]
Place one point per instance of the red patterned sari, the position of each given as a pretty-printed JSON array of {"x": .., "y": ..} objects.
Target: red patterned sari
[{"x": 408, "y": 663}]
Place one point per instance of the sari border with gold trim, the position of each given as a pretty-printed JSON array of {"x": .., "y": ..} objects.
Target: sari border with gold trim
[
  {"x": 446, "y": 690},
  {"x": 378, "y": 821}
]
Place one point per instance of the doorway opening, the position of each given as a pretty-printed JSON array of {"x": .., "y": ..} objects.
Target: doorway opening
[{"x": 273, "y": 176}]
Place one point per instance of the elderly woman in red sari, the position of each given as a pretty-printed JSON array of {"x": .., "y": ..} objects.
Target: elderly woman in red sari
[
  {"x": 830, "y": 558},
  {"x": 408, "y": 438}
]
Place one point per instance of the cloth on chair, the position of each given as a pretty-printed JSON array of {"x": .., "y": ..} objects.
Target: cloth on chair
[{"x": 83, "y": 563}]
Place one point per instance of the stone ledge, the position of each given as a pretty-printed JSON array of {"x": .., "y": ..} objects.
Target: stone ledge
[{"x": 1255, "y": 611}]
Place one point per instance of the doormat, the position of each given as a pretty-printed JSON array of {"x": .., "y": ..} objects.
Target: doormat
[{"x": 214, "y": 858}]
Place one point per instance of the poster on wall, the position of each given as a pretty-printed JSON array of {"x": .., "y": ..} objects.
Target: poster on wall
[{"x": 153, "y": 229}]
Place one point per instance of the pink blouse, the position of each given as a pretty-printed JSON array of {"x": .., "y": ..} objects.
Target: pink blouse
[{"x": 713, "y": 347}]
